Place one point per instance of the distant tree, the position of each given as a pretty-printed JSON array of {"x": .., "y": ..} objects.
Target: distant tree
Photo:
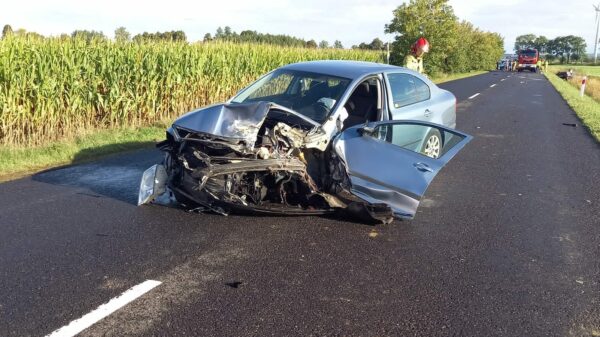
[
  {"x": 174, "y": 35},
  {"x": 219, "y": 34},
  {"x": 122, "y": 35},
  {"x": 227, "y": 32},
  {"x": 323, "y": 44},
  {"x": 179, "y": 35},
  {"x": 541, "y": 44},
  {"x": 311, "y": 44},
  {"x": 578, "y": 47},
  {"x": 376, "y": 44},
  {"x": 566, "y": 48},
  {"x": 7, "y": 31},
  {"x": 207, "y": 37},
  {"x": 337, "y": 44},
  {"x": 88, "y": 35},
  {"x": 525, "y": 41}
]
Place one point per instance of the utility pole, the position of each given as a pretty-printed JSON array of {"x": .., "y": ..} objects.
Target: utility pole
[
  {"x": 597, "y": 9},
  {"x": 388, "y": 52}
]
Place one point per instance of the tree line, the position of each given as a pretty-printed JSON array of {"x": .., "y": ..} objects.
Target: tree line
[
  {"x": 222, "y": 34},
  {"x": 562, "y": 48},
  {"x": 251, "y": 36}
]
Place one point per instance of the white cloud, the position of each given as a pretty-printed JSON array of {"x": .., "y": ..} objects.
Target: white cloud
[{"x": 350, "y": 21}]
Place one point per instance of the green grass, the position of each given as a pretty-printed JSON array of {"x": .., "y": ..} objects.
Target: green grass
[
  {"x": 18, "y": 161},
  {"x": 585, "y": 107},
  {"x": 579, "y": 69},
  {"x": 451, "y": 77}
]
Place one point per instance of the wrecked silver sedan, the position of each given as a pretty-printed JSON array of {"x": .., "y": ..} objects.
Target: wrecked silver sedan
[{"x": 308, "y": 138}]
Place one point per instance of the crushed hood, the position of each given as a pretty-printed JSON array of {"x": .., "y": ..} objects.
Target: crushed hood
[{"x": 239, "y": 121}]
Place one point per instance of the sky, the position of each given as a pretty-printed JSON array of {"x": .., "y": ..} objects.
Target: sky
[{"x": 350, "y": 21}]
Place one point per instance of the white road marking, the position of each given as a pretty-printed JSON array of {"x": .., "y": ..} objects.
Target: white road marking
[
  {"x": 104, "y": 310},
  {"x": 502, "y": 79},
  {"x": 471, "y": 97},
  {"x": 493, "y": 85}
]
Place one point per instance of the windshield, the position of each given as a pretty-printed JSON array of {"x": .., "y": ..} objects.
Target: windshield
[
  {"x": 528, "y": 53},
  {"x": 310, "y": 94}
]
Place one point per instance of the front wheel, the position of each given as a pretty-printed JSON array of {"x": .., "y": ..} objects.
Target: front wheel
[{"x": 432, "y": 147}]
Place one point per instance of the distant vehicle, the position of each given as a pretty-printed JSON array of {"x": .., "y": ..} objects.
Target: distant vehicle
[
  {"x": 501, "y": 64},
  {"x": 528, "y": 59},
  {"x": 312, "y": 138}
]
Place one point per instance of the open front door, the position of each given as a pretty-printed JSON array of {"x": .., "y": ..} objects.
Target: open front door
[{"x": 393, "y": 162}]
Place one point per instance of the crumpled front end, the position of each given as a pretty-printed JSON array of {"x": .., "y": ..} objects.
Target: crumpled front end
[{"x": 278, "y": 164}]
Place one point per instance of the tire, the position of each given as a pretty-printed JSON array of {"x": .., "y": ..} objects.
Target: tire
[{"x": 433, "y": 144}]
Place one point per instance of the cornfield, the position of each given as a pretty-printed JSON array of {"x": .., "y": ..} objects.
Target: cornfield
[{"x": 51, "y": 89}]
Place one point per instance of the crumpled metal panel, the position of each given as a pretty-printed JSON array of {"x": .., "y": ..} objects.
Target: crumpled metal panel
[{"x": 230, "y": 121}]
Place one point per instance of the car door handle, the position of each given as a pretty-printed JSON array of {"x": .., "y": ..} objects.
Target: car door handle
[
  {"x": 423, "y": 167},
  {"x": 427, "y": 112}
]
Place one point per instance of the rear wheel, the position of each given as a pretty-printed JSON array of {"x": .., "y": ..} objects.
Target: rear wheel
[{"x": 432, "y": 147}]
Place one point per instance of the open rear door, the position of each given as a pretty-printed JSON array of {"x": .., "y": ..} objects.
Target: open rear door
[{"x": 393, "y": 162}]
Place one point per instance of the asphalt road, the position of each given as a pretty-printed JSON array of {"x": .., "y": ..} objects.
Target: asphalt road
[{"x": 506, "y": 243}]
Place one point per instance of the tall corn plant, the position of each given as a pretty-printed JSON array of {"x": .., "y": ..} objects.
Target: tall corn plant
[{"x": 53, "y": 88}]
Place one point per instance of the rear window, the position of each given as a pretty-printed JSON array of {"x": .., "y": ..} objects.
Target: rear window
[{"x": 407, "y": 89}]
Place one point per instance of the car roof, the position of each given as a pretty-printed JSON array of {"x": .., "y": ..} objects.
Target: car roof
[{"x": 339, "y": 68}]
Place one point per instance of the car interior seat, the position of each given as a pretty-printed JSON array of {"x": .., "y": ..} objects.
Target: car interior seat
[{"x": 362, "y": 105}]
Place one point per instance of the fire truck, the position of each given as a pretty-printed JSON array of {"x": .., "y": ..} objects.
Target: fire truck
[{"x": 528, "y": 59}]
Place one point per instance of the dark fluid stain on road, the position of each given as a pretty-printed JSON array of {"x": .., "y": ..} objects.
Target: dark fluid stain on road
[{"x": 116, "y": 177}]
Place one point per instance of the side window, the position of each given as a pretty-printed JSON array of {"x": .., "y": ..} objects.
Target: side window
[
  {"x": 425, "y": 139},
  {"x": 407, "y": 89}
]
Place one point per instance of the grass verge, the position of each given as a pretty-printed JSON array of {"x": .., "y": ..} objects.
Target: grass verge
[
  {"x": 451, "y": 77},
  {"x": 16, "y": 162},
  {"x": 577, "y": 68},
  {"x": 585, "y": 107}
]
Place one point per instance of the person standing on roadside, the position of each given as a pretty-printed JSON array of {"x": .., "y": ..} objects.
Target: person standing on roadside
[
  {"x": 545, "y": 65},
  {"x": 539, "y": 65},
  {"x": 414, "y": 60}
]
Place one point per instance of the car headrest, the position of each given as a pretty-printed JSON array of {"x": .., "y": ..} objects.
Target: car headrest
[{"x": 363, "y": 90}]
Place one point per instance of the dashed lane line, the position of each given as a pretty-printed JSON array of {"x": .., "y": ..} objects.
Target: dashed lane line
[
  {"x": 502, "y": 79},
  {"x": 104, "y": 310},
  {"x": 493, "y": 85},
  {"x": 471, "y": 97}
]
